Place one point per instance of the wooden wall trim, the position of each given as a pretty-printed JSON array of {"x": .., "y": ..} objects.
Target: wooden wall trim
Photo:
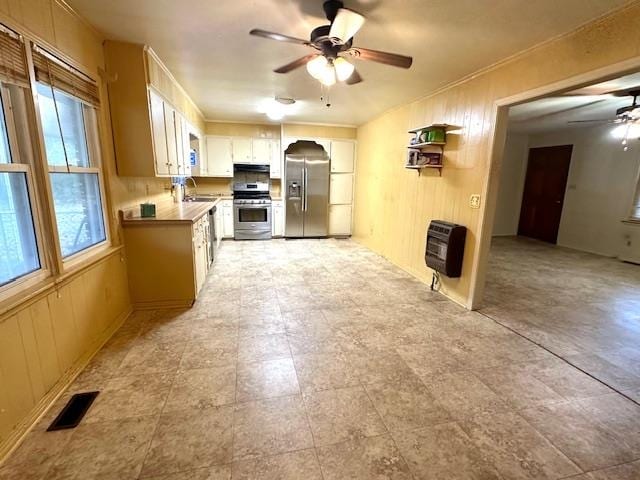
[
  {"x": 24, "y": 427},
  {"x": 30, "y": 296}
]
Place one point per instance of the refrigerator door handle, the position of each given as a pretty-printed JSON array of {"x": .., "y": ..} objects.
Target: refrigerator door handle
[{"x": 304, "y": 197}]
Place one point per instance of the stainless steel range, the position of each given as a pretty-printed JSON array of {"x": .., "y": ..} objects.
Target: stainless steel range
[{"x": 251, "y": 211}]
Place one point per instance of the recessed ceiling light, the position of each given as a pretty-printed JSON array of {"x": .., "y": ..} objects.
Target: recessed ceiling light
[{"x": 276, "y": 108}]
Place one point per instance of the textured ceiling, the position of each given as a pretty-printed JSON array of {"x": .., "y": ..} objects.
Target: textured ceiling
[
  {"x": 205, "y": 43},
  {"x": 589, "y": 103}
]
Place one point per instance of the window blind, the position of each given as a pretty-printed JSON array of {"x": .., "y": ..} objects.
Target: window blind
[
  {"x": 58, "y": 74},
  {"x": 13, "y": 64}
]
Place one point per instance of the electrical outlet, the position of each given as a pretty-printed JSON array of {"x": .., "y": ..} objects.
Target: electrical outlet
[{"x": 474, "y": 201}]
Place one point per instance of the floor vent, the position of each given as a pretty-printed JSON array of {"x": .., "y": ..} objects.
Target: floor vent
[{"x": 73, "y": 412}]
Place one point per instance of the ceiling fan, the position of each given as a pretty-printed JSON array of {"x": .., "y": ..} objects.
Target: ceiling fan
[
  {"x": 332, "y": 43},
  {"x": 630, "y": 113},
  {"x": 627, "y": 118}
]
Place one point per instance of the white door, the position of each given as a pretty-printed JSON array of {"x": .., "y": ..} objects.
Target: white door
[
  {"x": 275, "y": 154},
  {"x": 200, "y": 254},
  {"x": 342, "y": 156},
  {"x": 172, "y": 147},
  {"x": 261, "y": 151},
  {"x": 177, "y": 121},
  {"x": 186, "y": 146},
  {"x": 156, "y": 107},
  {"x": 339, "y": 219},
  {"x": 219, "y": 157},
  {"x": 341, "y": 188},
  {"x": 219, "y": 225},
  {"x": 227, "y": 220},
  {"x": 278, "y": 219},
  {"x": 242, "y": 150}
]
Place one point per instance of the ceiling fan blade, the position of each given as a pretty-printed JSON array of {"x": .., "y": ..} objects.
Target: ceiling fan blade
[
  {"x": 295, "y": 64},
  {"x": 354, "y": 78},
  {"x": 346, "y": 24},
  {"x": 279, "y": 37},
  {"x": 387, "y": 58},
  {"x": 602, "y": 120}
]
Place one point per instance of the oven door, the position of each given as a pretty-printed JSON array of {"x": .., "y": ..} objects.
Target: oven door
[{"x": 252, "y": 221}]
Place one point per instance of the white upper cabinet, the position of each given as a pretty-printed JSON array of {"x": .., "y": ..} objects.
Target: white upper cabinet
[
  {"x": 342, "y": 156},
  {"x": 261, "y": 154},
  {"x": 156, "y": 106},
  {"x": 170, "y": 130},
  {"x": 242, "y": 150},
  {"x": 276, "y": 156},
  {"x": 179, "y": 126},
  {"x": 186, "y": 147},
  {"x": 341, "y": 189},
  {"x": 219, "y": 157}
]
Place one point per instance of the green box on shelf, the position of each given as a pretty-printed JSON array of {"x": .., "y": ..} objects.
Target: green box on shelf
[
  {"x": 147, "y": 210},
  {"x": 436, "y": 135}
]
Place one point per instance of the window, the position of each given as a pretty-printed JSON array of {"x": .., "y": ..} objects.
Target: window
[
  {"x": 69, "y": 127},
  {"x": 18, "y": 245}
]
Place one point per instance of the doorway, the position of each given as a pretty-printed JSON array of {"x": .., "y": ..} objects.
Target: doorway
[
  {"x": 544, "y": 190},
  {"x": 564, "y": 262}
]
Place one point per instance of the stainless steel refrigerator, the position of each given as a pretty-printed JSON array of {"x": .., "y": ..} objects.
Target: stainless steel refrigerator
[{"x": 306, "y": 190}]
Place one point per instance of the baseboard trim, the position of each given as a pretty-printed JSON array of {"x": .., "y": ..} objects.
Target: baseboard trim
[
  {"x": 15, "y": 438},
  {"x": 167, "y": 304}
]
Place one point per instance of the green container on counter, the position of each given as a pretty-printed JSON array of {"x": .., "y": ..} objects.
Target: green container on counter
[{"x": 147, "y": 210}]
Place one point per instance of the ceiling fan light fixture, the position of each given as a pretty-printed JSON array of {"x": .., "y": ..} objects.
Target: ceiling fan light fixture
[
  {"x": 316, "y": 66},
  {"x": 346, "y": 25},
  {"x": 344, "y": 69},
  {"x": 626, "y": 131},
  {"x": 328, "y": 75}
]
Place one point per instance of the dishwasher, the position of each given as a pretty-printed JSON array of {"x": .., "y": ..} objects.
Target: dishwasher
[{"x": 213, "y": 238}]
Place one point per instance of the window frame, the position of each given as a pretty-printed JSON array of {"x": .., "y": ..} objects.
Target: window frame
[
  {"x": 94, "y": 155},
  {"x": 19, "y": 163}
]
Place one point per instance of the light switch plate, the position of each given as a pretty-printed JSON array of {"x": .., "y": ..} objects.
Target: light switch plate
[{"x": 474, "y": 201}]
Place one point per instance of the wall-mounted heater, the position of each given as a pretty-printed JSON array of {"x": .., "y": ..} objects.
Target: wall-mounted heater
[{"x": 445, "y": 247}]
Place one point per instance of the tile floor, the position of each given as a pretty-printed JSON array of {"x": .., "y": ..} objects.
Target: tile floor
[
  {"x": 583, "y": 307},
  {"x": 317, "y": 359}
]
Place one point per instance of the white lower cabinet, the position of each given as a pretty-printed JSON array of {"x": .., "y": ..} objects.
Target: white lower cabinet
[
  {"x": 200, "y": 250},
  {"x": 339, "y": 219},
  {"x": 341, "y": 188},
  {"x": 227, "y": 218},
  {"x": 277, "y": 218},
  {"x": 218, "y": 219}
]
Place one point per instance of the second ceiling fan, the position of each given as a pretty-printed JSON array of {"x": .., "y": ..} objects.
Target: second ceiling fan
[{"x": 332, "y": 43}]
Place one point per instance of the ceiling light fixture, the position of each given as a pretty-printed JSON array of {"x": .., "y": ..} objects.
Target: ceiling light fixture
[
  {"x": 625, "y": 132},
  {"x": 343, "y": 68},
  {"x": 316, "y": 66},
  {"x": 276, "y": 108},
  {"x": 327, "y": 71}
]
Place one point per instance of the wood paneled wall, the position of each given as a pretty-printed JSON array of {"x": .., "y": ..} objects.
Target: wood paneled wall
[
  {"x": 393, "y": 205},
  {"x": 47, "y": 338},
  {"x": 320, "y": 131},
  {"x": 258, "y": 130}
]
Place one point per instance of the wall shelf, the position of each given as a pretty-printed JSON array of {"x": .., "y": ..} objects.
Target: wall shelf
[
  {"x": 447, "y": 127},
  {"x": 428, "y": 154},
  {"x": 426, "y": 144},
  {"x": 419, "y": 168}
]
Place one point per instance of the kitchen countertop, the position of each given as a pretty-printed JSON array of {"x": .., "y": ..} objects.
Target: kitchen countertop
[{"x": 169, "y": 213}]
